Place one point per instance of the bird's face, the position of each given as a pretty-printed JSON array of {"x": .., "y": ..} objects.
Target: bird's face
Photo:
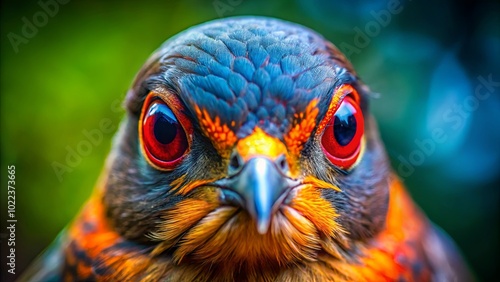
[{"x": 247, "y": 141}]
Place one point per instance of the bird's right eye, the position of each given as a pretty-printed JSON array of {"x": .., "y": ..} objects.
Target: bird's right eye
[{"x": 164, "y": 140}]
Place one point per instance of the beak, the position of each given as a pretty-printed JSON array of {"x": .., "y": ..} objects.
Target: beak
[{"x": 261, "y": 184}]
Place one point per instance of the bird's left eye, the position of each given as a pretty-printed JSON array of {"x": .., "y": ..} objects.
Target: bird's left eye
[
  {"x": 164, "y": 139},
  {"x": 341, "y": 140}
]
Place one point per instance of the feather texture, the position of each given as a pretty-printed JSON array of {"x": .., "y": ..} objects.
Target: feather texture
[{"x": 253, "y": 97}]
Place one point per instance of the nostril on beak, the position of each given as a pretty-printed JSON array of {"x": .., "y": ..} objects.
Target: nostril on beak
[
  {"x": 257, "y": 184},
  {"x": 282, "y": 164},
  {"x": 235, "y": 164}
]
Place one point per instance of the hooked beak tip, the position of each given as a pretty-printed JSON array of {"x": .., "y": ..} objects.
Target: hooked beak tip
[
  {"x": 262, "y": 185},
  {"x": 263, "y": 226}
]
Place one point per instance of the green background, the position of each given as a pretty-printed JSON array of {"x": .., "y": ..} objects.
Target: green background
[{"x": 71, "y": 74}]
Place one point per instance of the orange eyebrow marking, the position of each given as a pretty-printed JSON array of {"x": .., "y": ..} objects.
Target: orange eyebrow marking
[
  {"x": 260, "y": 143},
  {"x": 302, "y": 127},
  {"x": 339, "y": 94},
  {"x": 222, "y": 137}
]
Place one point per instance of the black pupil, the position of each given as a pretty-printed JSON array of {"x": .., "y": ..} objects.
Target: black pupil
[
  {"x": 165, "y": 129},
  {"x": 344, "y": 126}
]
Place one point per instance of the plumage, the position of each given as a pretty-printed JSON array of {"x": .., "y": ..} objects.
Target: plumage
[{"x": 222, "y": 170}]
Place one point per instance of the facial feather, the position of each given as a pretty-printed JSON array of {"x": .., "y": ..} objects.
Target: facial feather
[
  {"x": 248, "y": 154},
  {"x": 230, "y": 80}
]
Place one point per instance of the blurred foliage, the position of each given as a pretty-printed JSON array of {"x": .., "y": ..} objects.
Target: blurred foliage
[{"x": 67, "y": 78}]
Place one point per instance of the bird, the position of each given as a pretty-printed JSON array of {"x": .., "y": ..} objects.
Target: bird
[{"x": 248, "y": 153}]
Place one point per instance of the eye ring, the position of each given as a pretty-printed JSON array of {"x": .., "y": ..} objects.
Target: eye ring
[
  {"x": 164, "y": 132},
  {"x": 342, "y": 137}
]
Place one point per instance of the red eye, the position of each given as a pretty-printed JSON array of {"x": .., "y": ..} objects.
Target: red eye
[
  {"x": 341, "y": 141},
  {"x": 163, "y": 137}
]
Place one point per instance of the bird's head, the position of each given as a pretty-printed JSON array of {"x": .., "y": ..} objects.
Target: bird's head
[{"x": 247, "y": 140}]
